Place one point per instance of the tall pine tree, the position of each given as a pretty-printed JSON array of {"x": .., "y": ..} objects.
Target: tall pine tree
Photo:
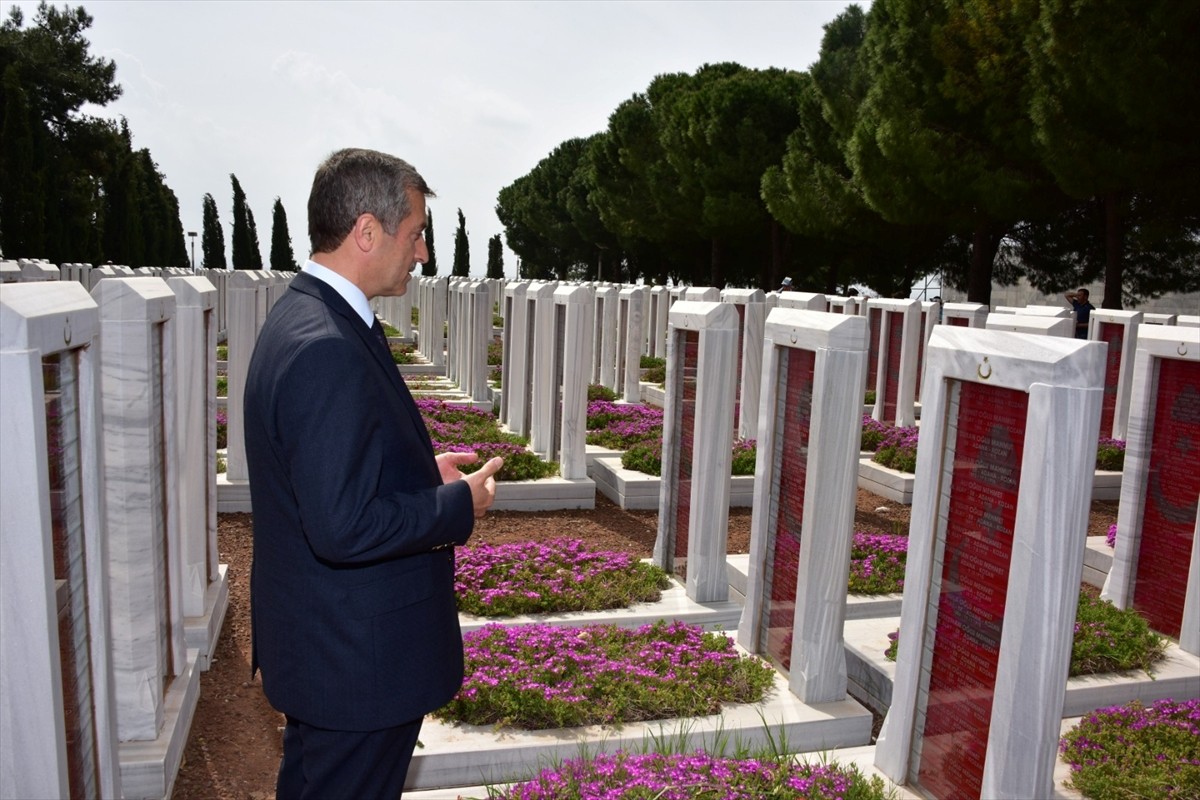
[
  {"x": 429, "y": 268},
  {"x": 495, "y": 265},
  {"x": 462, "y": 250},
  {"x": 282, "y": 257},
  {"x": 212, "y": 238}
]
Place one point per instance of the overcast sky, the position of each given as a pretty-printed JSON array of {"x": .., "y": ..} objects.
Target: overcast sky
[{"x": 473, "y": 94}]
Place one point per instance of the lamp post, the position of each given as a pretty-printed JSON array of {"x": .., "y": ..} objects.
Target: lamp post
[{"x": 192, "y": 236}]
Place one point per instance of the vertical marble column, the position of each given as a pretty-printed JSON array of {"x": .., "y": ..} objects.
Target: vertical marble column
[
  {"x": 574, "y": 308},
  {"x": 803, "y": 520},
  {"x": 752, "y": 314},
  {"x": 141, "y": 478},
  {"x": 1118, "y": 330},
  {"x": 896, "y": 376},
  {"x": 57, "y": 643},
  {"x": 480, "y": 330},
  {"x": 512, "y": 364},
  {"x": 604, "y": 363},
  {"x": 243, "y": 310},
  {"x": 544, "y": 389},
  {"x": 999, "y": 523},
  {"x": 438, "y": 295},
  {"x": 1156, "y": 568},
  {"x": 632, "y": 308},
  {"x": 697, "y": 456},
  {"x": 205, "y": 594},
  {"x": 660, "y": 299}
]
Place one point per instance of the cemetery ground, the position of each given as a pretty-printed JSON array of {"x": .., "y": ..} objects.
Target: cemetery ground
[{"x": 234, "y": 746}]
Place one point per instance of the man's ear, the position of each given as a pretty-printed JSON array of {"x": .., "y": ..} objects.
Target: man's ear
[{"x": 366, "y": 232}]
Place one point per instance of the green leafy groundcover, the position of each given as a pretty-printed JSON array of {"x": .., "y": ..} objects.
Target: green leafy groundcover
[
  {"x": 534, "y": 677},
  {"x": 1136, "y": 751},
  {"x": 455, "y": 427},
  {"x": 551, "y": 577},
  {"x": 695, "y": 776},
  {"x": 1106, "y": 638}
]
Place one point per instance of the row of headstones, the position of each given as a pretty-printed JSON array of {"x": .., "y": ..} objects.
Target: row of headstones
[
  {"x": 998, "y": 528},
  {"x": 112, "y": 595},
  {"x": 24, "y": 270}
]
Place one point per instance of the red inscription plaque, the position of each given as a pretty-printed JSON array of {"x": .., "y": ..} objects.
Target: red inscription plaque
[
  {"x": 891, "y": 378},
  {"x": 921, "y": 355},
  {"x": 961, "y": 322},
  {"x": 874, "y": 316},
  {"x": 689, "y": 350},
  {"x": 1114, "y": 335},
  {"x": 1172, "y": 489},
  {"x": 791, "y": 460},
  {"x": 737, "y": 386},
  {"x": 970, "y": 605}
]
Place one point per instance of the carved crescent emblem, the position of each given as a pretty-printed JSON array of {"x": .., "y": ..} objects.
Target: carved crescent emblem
[
  {"x": 67, "y": 332},
  {"x": 983, "y": 376},
  {"x": 1182, "y": 349}
]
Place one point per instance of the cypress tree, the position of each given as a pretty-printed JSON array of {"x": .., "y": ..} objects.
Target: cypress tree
[
  {"x": 462, "y": 251},
  {"x": 429, "y": 268},
  {"x": 256, "y": 261},
  {"x": 282, "y": 258},
  {"x": 212, "y": 238},
  {"x": 495, "y": 265},
  {"x": 242, "y": 244}
]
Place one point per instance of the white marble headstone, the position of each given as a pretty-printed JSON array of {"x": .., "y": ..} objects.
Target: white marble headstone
[
  {"x": 1160, "y": 488},
  {"x": 808, "y": 424},
  {"x": 57, "y": 320},
  {"x": 998, "y": 529},
  {"x": 697, "y": 455}
]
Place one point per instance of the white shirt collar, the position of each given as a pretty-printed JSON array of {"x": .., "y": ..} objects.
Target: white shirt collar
[{"x": 349, "y": 292}]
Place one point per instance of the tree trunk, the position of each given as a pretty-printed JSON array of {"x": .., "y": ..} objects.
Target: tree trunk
[
  {"x": 1114, "y": 250},
  {"x": 717, "y": 265},
  {"x": 984, "y": 244}
]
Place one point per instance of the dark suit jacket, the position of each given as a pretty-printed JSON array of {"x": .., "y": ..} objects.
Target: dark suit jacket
[{"x": 353, "y": 610}]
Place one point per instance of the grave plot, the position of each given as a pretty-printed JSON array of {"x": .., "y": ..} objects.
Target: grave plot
[{"x": 990, "y": 595}]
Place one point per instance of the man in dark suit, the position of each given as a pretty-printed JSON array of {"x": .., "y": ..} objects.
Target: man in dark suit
[{"x": 355, "y": 519}]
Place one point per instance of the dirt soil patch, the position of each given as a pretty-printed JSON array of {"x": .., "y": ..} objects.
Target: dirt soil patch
[{"x": 234, "y": 747}]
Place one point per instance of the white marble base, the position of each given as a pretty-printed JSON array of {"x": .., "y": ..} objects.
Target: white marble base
[
  {"x": 858, "y": 606},
  {"x": 1106, "y": 485},
  {"x": 547, "y": 494},
  {"x": 886, "y": 482},
  {"x": 1097, "y": 561},
  {"x": 862, "y": 756},
  {"x": 594, "y": 451},
  {"x": 653, "y": 394},
  {"x": 148, "y": 769},
  {"x": 232, "y": 495},
  {"x": 201, "y": 633},
  {"x": 674, "y": 605},
  {"x": 898, "y": 486},
  {"x": 468, "y": 755},
  {"x": 639, "y": 491},
  {"x": 871, "y": 675},
  {"x": 422, "y": 369}
]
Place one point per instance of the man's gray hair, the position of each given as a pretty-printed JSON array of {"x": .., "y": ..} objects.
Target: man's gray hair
[{"x": 353, "y": 182}]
